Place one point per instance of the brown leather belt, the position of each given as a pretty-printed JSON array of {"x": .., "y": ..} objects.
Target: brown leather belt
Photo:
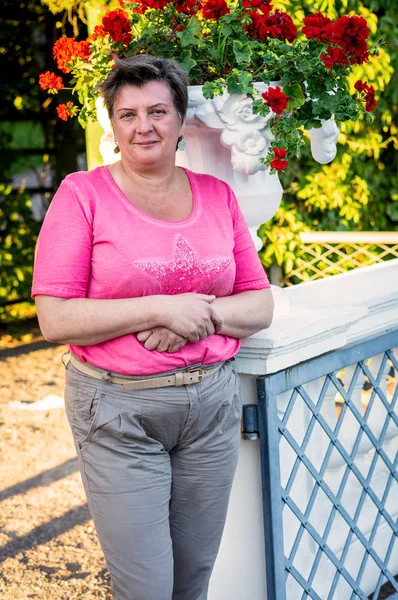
[{"x": 194, "y": 375}]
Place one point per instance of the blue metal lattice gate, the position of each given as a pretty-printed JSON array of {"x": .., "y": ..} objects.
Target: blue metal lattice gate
[{"x": 329, "y": 449}]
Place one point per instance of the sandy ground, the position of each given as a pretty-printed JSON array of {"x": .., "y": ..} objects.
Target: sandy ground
[{"x": 48, "y": 545}]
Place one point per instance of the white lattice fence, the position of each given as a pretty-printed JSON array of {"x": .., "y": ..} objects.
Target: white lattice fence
[{"x": 330, "y": 253}]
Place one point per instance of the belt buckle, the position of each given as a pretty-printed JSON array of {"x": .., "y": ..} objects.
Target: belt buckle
[{"x": 199, "y": 372}]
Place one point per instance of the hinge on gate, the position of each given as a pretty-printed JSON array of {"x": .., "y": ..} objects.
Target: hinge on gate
[{"x": 250, "y": 422}]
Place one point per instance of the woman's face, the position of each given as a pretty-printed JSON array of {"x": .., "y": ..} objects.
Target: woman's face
[{"x": 146, "y": 124}]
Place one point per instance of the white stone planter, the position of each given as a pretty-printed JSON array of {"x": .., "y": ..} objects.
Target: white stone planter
[{"x": 225, "y": 139}]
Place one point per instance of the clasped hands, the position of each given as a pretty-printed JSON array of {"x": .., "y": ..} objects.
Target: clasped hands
[{"x": 187, "y": 318}]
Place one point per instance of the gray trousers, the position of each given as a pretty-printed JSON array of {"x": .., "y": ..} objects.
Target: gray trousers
[{"x": 157, "y": 466}]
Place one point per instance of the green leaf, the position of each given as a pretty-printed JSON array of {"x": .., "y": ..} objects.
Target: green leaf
[
  {"x": 242, "y": 51},
  {"x": 313, "y": 124},
  {"x": 226, "y": 29},
  {"x": 296, "y": 96},
  {"x": 83, "y": 118},
  {"x": 19, "y": 273},
  {"x": 228, "y": 24},
  {"x": 186, "y": 61},
  {"x": 289, "y": 265},
  {"x": 315, "y": 88},
  {"x": 288, "y": 124},
  {"x": 187, "y": 36},
  {"x": 260, "y": 108},
  {"x": 213, "y": 88},
  {"x": 238, "y": 82},
  {"x": 265, "y": 78}
]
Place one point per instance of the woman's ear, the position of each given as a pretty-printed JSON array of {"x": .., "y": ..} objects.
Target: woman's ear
[
  {"x": 180, "y": 142},
  {"x": 116, "y": 148}
]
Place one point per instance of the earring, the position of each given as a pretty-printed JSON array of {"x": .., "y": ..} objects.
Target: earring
[
  {"x": 116, "y": 148},
  {"x": 181, "y": 144}
]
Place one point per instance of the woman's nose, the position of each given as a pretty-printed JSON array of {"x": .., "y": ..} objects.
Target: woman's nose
[{"x": 144, "y": 124}]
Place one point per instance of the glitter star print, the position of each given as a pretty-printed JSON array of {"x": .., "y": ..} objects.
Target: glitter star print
[{"x": 186, "y": 273}]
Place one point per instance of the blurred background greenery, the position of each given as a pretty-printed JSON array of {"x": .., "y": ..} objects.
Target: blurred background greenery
[
  {"x": 36, "y": 149},
  {"x": 357, "y": 192}
]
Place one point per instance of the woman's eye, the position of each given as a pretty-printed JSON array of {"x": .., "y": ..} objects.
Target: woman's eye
[
  {"x": 129, "y": 114},
  {"x": 158, "y": 111}
]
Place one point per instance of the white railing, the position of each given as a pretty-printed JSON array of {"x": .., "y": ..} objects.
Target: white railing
[{"x": 311, "y": 319}]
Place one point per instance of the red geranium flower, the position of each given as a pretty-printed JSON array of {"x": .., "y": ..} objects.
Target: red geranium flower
[
  {"x": 334, "y": 56},
  {"x": 187, "y": 7},
  {"x": 67, "y": 49},
  {"x": 369, "y": 94},
  {"x": 361, "y": 86},
  {"x": 317, "y": 27},
  {"x": 370, "y": 99},
  {"x": 360, "y": 54},
  {"x": 258, "y": 28},
  {"x": 214, "y": 9},
  {"x": 264, "y": 5},
  {"x": 275, "y": 99},
  {"x": 281, "y": 26},
  {"x": 64, "y": 111},
  {"x": 278, "y": 163},
  {"x": 117, "y": 24},
  {"x": 350, "y": 30},
  {"x": 155, "y": 4},
  {"x": 51, "y": 82},
  {"x": 351, "y": 33}
]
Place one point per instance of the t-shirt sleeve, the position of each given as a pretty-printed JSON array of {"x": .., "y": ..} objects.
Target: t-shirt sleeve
[
  {"x": 63, "y": 251},
  {"x": 250, "y": 274}
]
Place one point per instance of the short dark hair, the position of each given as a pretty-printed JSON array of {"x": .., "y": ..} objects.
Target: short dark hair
[{"x": 139, "y": 70}]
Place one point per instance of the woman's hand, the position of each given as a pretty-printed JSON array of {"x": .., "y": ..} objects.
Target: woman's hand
[
  {"x": 161, "y": 339},
  {"x": 191, "y": 315}
]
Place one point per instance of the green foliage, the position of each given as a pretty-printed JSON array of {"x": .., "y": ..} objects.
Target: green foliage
[
  {"x": 358, "y": 191},
  {"x": 189, "y": 35},
  {"x": 13, "y": 320},
  {"x": 283, "y": 242},
  {"x": 18, "y": 236},
  {"x": 30, "y": 138},
  {"x": 296, "y": 96},
  {"x": 242, "y": 51}
]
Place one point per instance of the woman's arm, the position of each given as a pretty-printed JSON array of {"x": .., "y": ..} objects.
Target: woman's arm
[
  {"x": 245, "y": 313},
  {"x": 85, "y": 321}
]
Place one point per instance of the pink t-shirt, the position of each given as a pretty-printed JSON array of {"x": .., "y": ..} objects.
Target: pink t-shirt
[{"x": 94, "y": 243}]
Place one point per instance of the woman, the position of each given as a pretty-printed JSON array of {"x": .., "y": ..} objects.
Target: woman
[{"x": 149, "y": 273}]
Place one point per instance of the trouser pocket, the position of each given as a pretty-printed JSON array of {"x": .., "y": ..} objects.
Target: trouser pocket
[
  {"x": 230, "y": 411},
  {"x": 83, "y": 405}
]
